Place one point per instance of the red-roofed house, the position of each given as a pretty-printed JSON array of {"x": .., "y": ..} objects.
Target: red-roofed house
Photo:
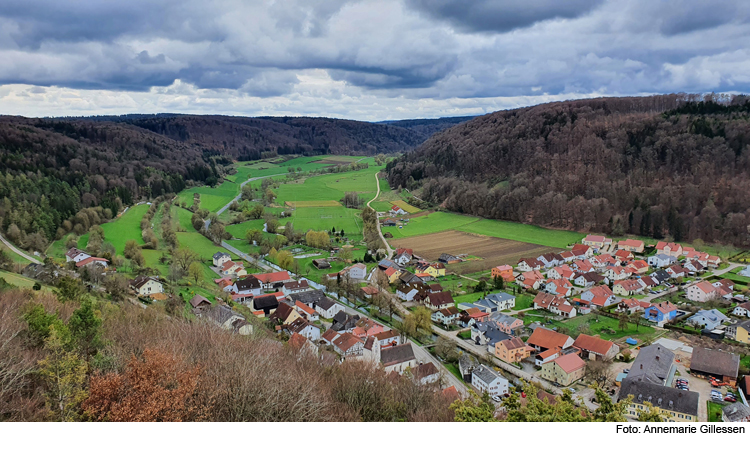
[
  {"x": 604, "y": 260},
  {"x": 528, "y": 264},
  {"x": 561, "y": 287},
  {"x": 92, "y": 260},
  {"x": 596, "y": 241},
  {"x": 504, "y": 271},
  {"x": 543, "y": 339},
  {"x": 677, "y": 271},
  {"x": 403, "y": 256},
  {"x": 640, "y": 266},
  {"x": 564, "y": 272},
  {"x": 599, "y": 296},
  {"x": 627, "y": 288},
  {"x": 631, "y": 245},
  {"x": 583, "y": 265},
  {"x": 512, "y": 350},
  {"x": 309, "y": 313},
  {"x": 348, "y": 345},
  {"x": 595, "y": 348},
  {"x": 268, "y": 280},
  {"x": 615, "y": 273},
  {"x": 669, "y": 249},
  {"x": 564, "y": 370},
  {"x": 582, "y": 249},
  {"x": 702, "y": 292},
  {"x": 623, "y": 255}
]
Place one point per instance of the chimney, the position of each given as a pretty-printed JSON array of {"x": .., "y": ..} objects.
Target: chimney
[
  {"x": 641, "y": 366},
  {"x": 657, "y": 357}
]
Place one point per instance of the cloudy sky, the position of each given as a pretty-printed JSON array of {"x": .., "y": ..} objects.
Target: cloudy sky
[{"x": 366, "y": 60}]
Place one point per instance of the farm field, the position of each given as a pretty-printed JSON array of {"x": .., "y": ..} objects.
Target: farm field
[
  {"x": 381, "y": 206},
  {"x": 20, "y": 280},
  {"x": 125, "y": 228},
  {"x": 340, "y": 217},
  {"x": 494, "y": 251},
  {"x": 329, "y": 187},
  {"x": 429, "y": 224},
  {"x": 214, "y": 198},
  {"x": 523, "y": 233},
  {"x": 406, "y": 207}
]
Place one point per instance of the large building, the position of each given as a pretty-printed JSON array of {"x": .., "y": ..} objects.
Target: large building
[
  {"x": 485, "y": 379},
  {"x": 654, "y": 364},
  {"x": 564, "y": 370},
  {"x": 721, "y": 365},
  {"x": 676, "y": 405}
]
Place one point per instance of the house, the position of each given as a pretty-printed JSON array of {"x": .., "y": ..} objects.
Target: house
[
  {"x": 484, "y": 379},
  {"x": 596, "y": 241},
  {"x": 735, "y": 412},
  {"x": 550, "y": 260},
  {"x": 266, "y": 303},
  {"x": 392, "y": 274},
  {"x": 397, "y": 211},
  {"x": 602, "y": 261},
  {"x": 435, "y": 270},
  {"x": 564, "y": 370},
  {"x": 92, "y": 261},
  {"x": 487, "y": 333},
  {"x": 348, "y": 345},
  {"x": 403, "y": 256},
  {"x": 660, "y": 313},
  {"x": 505, "y": 272},
  {"x": 543, "y": 339},
  {"x": 588, "y": 280},
  {"x": 439, "y": 300},
  {"x": 398, "y": 358},
  {"x": 302, "y": 345},
  {"x": 546, "y": 356},
  {"x": 446, "y": 316},
  {"x": 675, "y": 404},
  {"x": 623, "y": 255},
  {"x": 355, "y": 272},
  {"x": 744, "y": 272},
  {"x": 247, "y": 285},
  {"x": 329, "y": 336},
  {"x": 227, "y": 319},
  {"x": 389, "y": 223},
  {"x": 426, "y": 374},
  {"x": 707, "y": 320},
  {"x": 285, "y": 314},
  {"x": 702, "y": 291},
  {"x": 199, "y": 303},
  {"x": 561, "y": 287},
  {"x": 233, "y": 268},
  {"x": 742, "y": 310},
  {"x": 74, "y": 254},
  {"x": 631, "y": 305},
  {"x": 344, "y": 322},
  {"x": 563, "y": 272},
  {"x": 627, "y": 288},
  {"x": 294, "y": 287},
  {"x": 467, "y": 364},
  {"x": 669, "y": 249},
  {"x": 409, "y": 292},
  {"x": 532, "y": 279},
  {"x": 582, "y": 251},
  {"x": 306, "y": 311},
  {"x": 631, "y": 245},
  {"x": 594, "y": 348},
  {"x": 220, "y": 258},
  {"x": 321, "y": 264},
  {"x": 677, "y": 271},
  {"x": 310, "y": 298},
  {"x": 654, "y": 365},
  {"x": 327, "y": 308},
  {"x": 145, "y": 286},
  {"x": 713, "y": 262},
  {"x": 303, "y": 327},
  {"x": 739, "y": 332},
  {"x": 640, "y": 266},
  {"x": 723, "y": 366},
  {"x": 434, "y": 288},
  {"x": 388, "y": 338},
  {"x": 599, "y": 296},
  {"x": 695, "y": 266},
  {"x": 507, "y": 324},
  {"x": 445, "y": 258},
  {"x": 616, "y": 273},
  {"x": 273, "y": 280},
  {"x": 365, "y": 327},
  {"x": 369, "y": 291},
  {"x": 660, "y": 260},
  {"x": 512, "y": 350},
  {"x": 502, "y": 300},
  {"x": 529, "y": 264},
  {"x": 724, "y": 288},
  {"x": 470, "y": 316},
  {"x": 554, "y": 304},
  {"x": 661, "y": 276}
]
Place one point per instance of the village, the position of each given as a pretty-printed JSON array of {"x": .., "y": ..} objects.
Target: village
[{"x": 627, "y": 309}]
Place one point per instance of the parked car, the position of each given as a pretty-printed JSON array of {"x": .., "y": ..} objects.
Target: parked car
[{"x": 730, "y": 399}]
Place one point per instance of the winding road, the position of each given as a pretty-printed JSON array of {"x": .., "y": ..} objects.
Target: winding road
[{"x": 17, "y": 251}]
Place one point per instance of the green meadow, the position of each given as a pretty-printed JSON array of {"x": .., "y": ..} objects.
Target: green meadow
[
  {"x": 20, "y": 280},
  {"x": 431, "y": 223},
  {"x": 523, "y": 233},
  {"x": 126, "y": 227}
]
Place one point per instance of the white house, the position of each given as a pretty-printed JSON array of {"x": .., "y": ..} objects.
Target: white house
[
  {"x": 661, "y": 260},
  {"x": 403, "y": 256},
  {"x": 304, "y": 328},
  {"x": 398, "y": 358},
  {"x": 742, "y": 310},
  {"x": 744, "y": 272},
  {"x": 327, "y": 308},
  {"x": 145, "y": 286},
  {"x": 701, "y": 292},
  {"x": 220, "y": 258},
  {"x": 76, "y": 255},
  {"x": 485, "y": 379},
  {"x": 446, "y": 316},
  {"x": 356, "y": 272}
]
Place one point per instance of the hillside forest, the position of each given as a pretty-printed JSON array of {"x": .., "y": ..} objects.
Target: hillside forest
[{"x": 671, "y": 165}]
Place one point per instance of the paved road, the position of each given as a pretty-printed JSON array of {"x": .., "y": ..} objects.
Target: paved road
[
  {"x": 377, "y": 221},
  {"x": 236, "y": 199},
  {"x": 258, "y": 262},
  {"x": 17, "y": 251}
]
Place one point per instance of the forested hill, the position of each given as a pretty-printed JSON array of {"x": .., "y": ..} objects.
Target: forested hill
[
  {"x": 427, "y": 127},
  {"x": 663, "y": 165},
  {"x": 249, "y": 138}
]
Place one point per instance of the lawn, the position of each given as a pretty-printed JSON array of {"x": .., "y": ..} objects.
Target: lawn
[
  {"x": 16, "y": 258},
  {"x": 239, "y": 230},
  {"x": 714, "y": 411},
  {"x": 328, "y": 187},
  {"x": 523, "y": 301},
  {"x": 604, "y": 323},
  {"x": 126, "y": 227},
  {"x": 326, "y": 218},
  {"x": 19, "y": 280},
  {"x": 406, "y": 207},
  {"x": 522, "y": 233},
  {"x": 381, "y": 206},
  {"x": 212, "y": 198},
  {"x": 431, "y": 223}
]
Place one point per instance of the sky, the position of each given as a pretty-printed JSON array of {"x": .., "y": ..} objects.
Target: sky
[{"x": 363, "y": 60}]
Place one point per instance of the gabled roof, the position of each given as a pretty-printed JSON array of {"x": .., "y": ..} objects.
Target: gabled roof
[
  {"x": 485, "y": 374},
  {"x": 197, "y": 300},
  {"x": 218, "y": 255},
  {"x": 665, "y": 307},
  {"x": 273, "y": 277},
  {"x": 265, "y": 301},
  {"x": 309, "y": 297},
  {"x": 382, "y": 336},
  {"x": 247, "y": 284},
  {"x": 345, "y": 341},
  {"x": 652, "y": 364},
  {"x": 592, "y": 344},
  {"x": 664, "y": 397},
  {"x": 221, "y": 314},
  {"x": 425, "y": 370},
  {"x": 282, "y": 312},
  {"x": 306, "y": 309},
  {"x": 90, "y": 260},
  {"x": 396, "y": 354},
  {"x": 325, "y": 303},
  {"x": 706, "y": 287},
  {"x": 513, "y": 343},
  {"x": 438, "y": 299},
  {"x": 542, "y": 337},
  {"x": 293, "y": 285},
  {"x": 715, "y": 362},
  {"x": 407, "y": 251},
  {"x": 569, "y": 363},
  {"x": 141, "y": 281}
]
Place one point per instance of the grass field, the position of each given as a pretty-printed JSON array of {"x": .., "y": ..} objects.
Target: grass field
[
  {"x": 125, "y": 228},
  {"x": 313, "y": 203},
  {"x": 430, "y": 223},
  {"x": 328, "y": 187},
  {"x": 16, "y": 258},
  {"x": 20, "y": 280},
  {"x": 603, "y": 323},
  {"x": 340, "y": 217},
  {"x": 214, "y": 198},
  {"x": 523, "y": 233},
  {"x": 714, "y": 411},
  {"x": 381, "y": 206}
]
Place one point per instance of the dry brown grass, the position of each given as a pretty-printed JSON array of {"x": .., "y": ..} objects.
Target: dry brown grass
[{"x": 493, "y": 251}]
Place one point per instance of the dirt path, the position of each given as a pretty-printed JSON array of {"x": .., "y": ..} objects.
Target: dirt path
[
  {"x": 17, "y": 251},
  {"x": 377, "y": 222}
]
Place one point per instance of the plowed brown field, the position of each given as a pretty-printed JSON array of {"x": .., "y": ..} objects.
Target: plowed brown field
[{"x": 493, "y": 251}]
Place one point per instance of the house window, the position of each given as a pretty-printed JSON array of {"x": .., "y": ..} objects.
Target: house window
[{"x": 680, "y": 416}]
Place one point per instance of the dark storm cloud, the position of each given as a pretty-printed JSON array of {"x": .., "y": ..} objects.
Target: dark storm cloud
[{"x": 501, "y": 15}]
